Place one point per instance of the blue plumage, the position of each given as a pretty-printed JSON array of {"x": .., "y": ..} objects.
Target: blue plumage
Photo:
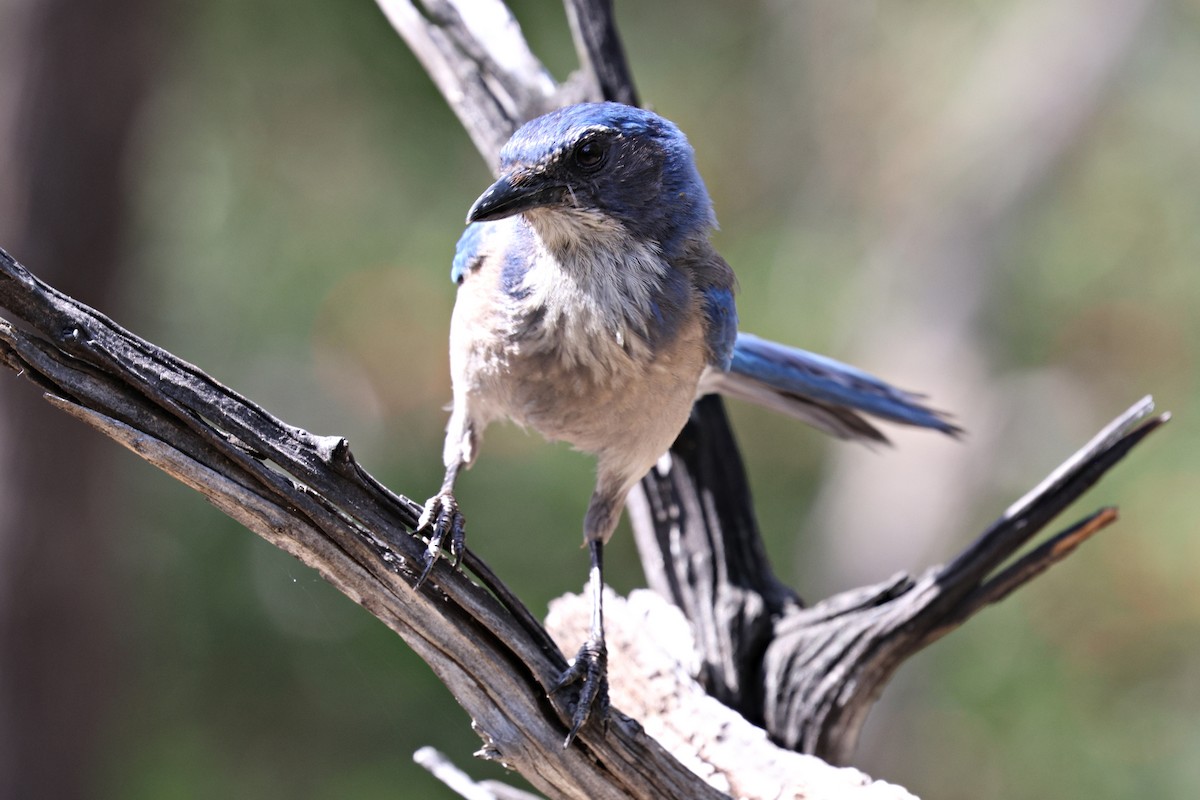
[
  {"x": 820, "y": 379},
  {"x": 722, "y": 320},
  {"x": 469, "y": 249},
  {"x": 593, "y": 308}
]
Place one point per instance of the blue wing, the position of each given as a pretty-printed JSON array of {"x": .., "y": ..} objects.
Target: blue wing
[
  {"x": 722, "y": 330},
  {"x": 500, "y": 239},
  {"x": 821, "y": 390},
  {"x": 469, "y": 250}
]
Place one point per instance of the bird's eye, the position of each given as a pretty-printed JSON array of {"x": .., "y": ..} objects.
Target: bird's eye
[{"x": 590, "y": 155}]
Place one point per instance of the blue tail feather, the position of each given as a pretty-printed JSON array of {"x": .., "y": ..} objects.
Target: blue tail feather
[{"x": 830, "y": 383}]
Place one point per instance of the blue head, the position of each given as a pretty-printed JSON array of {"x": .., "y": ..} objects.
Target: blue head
[{"x": 603, "y": 163}]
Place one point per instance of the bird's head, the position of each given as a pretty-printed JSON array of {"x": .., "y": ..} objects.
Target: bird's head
[{"x": 594, "y": 164}]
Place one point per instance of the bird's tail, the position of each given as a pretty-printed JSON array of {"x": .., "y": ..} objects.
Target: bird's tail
[{"x": 825, "y": 393}]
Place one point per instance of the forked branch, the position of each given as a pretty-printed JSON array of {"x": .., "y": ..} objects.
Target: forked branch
[{"x": 808, "y": 675}]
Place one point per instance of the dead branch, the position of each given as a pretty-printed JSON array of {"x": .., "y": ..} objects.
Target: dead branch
[
  {"x": 308, "y": 496},
  {"x": 808, "y": 675}
]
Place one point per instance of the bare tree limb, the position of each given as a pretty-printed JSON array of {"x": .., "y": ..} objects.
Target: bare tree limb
[
  {"x": 307, "y": 495},
  {"x": 441, "y": 767},
  {"x": 601, "y": 54},
  {"x": 478, "y": 59},
  {"x": 808, "y": 675},
  {"x": 864, "y": 636},
  {"x": 651, "y": 675}
]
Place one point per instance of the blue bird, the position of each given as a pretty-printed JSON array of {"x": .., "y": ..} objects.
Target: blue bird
[{"x": 593, "y": 309}]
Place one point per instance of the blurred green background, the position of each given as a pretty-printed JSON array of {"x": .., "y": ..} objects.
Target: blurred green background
[{"x": 995, "y": 203}]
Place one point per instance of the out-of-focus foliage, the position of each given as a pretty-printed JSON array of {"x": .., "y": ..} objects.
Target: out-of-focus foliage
[{"x": 300, "y": 187}]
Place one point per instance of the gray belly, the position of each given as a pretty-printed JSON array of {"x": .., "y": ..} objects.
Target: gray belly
[{"x": 628, "y": 414}]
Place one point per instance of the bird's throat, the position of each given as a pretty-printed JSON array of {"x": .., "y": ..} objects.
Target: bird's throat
[{"x": 593, "y": 287}]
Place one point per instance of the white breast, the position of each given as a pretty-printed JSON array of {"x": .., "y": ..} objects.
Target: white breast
[{"x": 589, "y": 301}]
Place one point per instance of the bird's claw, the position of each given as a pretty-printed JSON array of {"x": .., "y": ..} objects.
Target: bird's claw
[
  {"x": 591, "y": 668},
  {"x": 441, "y": 517}
]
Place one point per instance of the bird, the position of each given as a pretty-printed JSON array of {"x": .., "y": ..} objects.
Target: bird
[{"x": 592, "y": 308}]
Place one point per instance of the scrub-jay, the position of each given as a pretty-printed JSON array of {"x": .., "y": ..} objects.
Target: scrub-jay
[{"x": 592, "y": 308}]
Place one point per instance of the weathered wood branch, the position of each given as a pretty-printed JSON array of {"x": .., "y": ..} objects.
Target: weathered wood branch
[
  {"x": 307, "y": 495},
  {"x": 478, "y": 58},
  {"x": 808, "y": 675},
  {"x": 601, "y": 54},
  {"x": 783, "y": 667}
]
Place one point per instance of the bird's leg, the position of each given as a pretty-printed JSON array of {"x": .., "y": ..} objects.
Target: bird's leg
[
  {"x": 441, "y": 516},
  {"x": 590, "y": 667},
  {"x": 591, "y": 662}
]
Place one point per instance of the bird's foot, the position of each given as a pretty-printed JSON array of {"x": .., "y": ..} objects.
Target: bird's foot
[
  {"x": 441, "y": 517},
  {"x": 590, "y": 668}
]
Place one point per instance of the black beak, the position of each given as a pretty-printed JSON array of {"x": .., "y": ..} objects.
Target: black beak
[{"x": 514, "y": 193}]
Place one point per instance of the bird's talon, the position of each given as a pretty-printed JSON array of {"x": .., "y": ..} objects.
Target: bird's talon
[
  {"x": 458, "y": 538},
  {"x": 590, "y": 668},
  {"x": 428, "y": 568},
  {"x": 441, "y": 516}
]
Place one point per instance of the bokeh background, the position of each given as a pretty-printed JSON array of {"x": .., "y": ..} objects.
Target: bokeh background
[{"x": 996, "y": 203}]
